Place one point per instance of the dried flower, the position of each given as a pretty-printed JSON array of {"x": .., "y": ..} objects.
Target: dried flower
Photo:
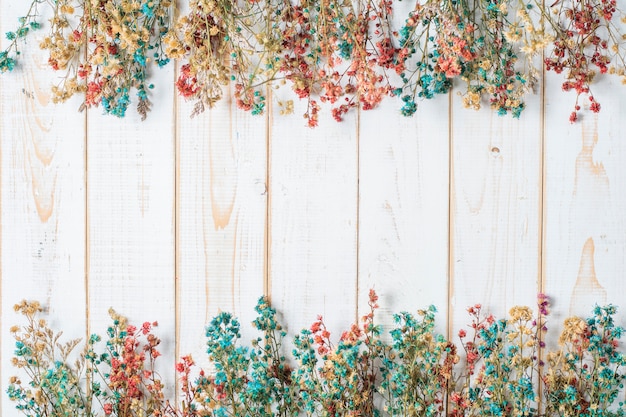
[
  {"x": 586, "y": 41},
  {"x": 347, "y": 54},
  {"x": 585, "y": 375},
  {"x": 53, "y": 383},
  {"x": 105, "y": 49},
  {"x": 495, "y": 371}
]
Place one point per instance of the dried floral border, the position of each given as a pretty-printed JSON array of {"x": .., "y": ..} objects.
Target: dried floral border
[
  {"x": 494, "y": 369},
  {"x": 347, "y": 53}
]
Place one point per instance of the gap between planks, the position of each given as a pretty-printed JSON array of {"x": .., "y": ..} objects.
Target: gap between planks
[
  {"x": 451, "y": 201},
  {"x": 267, "y": 230}
]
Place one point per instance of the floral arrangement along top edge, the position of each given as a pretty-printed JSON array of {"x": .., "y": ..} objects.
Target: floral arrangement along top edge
[
  {"x": 347, "y": 53},
  {"x": 498, "y": 367}
]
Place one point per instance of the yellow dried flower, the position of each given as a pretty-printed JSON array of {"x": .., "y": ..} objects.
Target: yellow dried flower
[
  {"x": 173, "y": 46},
  {"x": 520, "y": 313},
  {"x": 514, "y": 34},
  {"x": 471, "y": 100},
  {"x": 573, "y": 328},
  {"x": 286, "y": 107}
]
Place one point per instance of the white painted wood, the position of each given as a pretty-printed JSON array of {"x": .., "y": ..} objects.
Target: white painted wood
[
  {"x": 222, "y": 220},
  {"x": 100, "y": 212},
  {"x": 42, "y": 172},
  {"x": 585, "y": 239},
  {"x": 404, "y": 203},
  {"x": 313, "y": 218},
  {"x": 496, "y": 205},
  {"x": 403, "y": 209},
  {"x": 131, "y": 175}
]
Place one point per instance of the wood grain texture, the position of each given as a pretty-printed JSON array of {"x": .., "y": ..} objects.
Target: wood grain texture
[
  {"x": 313, "y": 219},
  {"x": 222, "y": 219},
  {"x": 42, "y": 172},
  {"x": 403, "y": 209},
  {"x": 404, "y": 203},
  {"x": 585, "y": 232},
  {"x": 131, "y": 175},
  {"x": 175, "y": 219},
  {"x": 496, "y": 211}
]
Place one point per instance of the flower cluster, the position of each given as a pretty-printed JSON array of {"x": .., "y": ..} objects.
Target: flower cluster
[
  {"x": 586, "y": 40},
  {"x": 501, "y": 364},
  {"x": 496, "y": 369},
  {"x": 105, "y": 48},
  {"x": 418, "y": 366},
  {"x": 213, "y": 40},
  {"x": 120, "y": 380},
  {"x": 478, "y": 42},
  {"x": 123, "y": 377},
  {"x": 346, "y": 53},
  {"x": 340, "y": 380},
  {"x": 53, "y": 382},
  {"x": 585, "y": 376},
  {"x": 325, "y": 48},
  {"x": 247, "y": 380}
]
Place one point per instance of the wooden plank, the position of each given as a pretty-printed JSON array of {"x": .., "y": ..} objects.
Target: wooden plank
[
  {"x": 585, "y": 239},
  {"x": 131, "y": 176},
  {"x": 496, "y": 210},
  {"x": 403, "y": 202},
  {"x": 403, "y": 209},
  {"x": 313, "y": 218},
  {"x": 222, "y": 219},
  {"x": 42, "y": 170}
]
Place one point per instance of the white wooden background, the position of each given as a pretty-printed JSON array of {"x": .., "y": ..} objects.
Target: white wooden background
[{"x": 174, "y": 219}]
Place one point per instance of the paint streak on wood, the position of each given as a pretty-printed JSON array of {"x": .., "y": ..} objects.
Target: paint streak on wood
[
  {"x": 44, "y": 153},
  {"x": 42, "y": 93},
  {"x": 41, "y": 148},
  {"x": 590, "y": 175},
  {"x": 583, "y": 222},
  {"x": 222, "y": 220},
  {"x": 590, "y": 215},
  {"x": 587, "y": 290},
  {"x": 223, "y": 177},
  {"x": 591, "y": 194},
  {"x": 43, "y": 188}
]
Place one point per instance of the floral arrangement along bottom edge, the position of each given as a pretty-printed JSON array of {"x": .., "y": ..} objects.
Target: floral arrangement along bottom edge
[{"x": 498, "y": 367}]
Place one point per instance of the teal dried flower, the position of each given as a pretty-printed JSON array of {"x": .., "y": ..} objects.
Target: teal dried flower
[
  {"x": 419, "y": 366},
  {"x": 26, "y": 23},
  {"x": 54, "y": 387},
  {"x": 585, "y": 375}
]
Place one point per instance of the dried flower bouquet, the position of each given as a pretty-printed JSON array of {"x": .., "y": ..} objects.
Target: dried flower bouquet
[
  {"x": 496, "y": 368},
  {"x": 346, "y": 53}
]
